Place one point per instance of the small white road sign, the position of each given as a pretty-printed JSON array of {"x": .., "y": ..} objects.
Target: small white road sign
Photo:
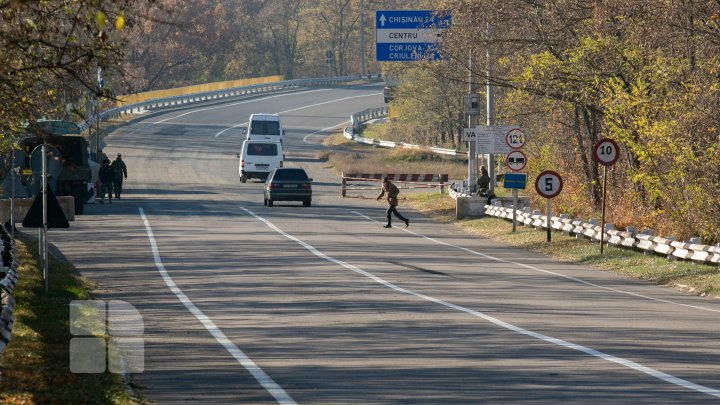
[
  {"x": 548, "y": 184},
  {"x": 469, "y": 134},
  {"x": 515, "y": 138},
  {"x": 606, "y": 152},
  {"x": 516, "y": 160}
]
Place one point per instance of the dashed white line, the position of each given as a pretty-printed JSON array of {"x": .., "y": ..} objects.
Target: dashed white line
[
  {"x": 265, "y": 380},
  {"x": 559, "y": 342},
  {"x": 527, "y": 266}
]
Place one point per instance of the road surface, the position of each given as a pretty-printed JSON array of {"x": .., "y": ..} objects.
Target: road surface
[{"x": 248, "y": 304}]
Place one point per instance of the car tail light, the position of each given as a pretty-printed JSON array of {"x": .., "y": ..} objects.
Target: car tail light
[
  {"x": 242, "y": 164},
  {"x": 271, "y": 186},
  {"x": 305, "y": 185}
]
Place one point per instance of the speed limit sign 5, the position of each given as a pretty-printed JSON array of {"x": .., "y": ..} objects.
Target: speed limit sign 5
[
  {"x": 606, "y": 152},
  {"x": 548, "y": 184}
]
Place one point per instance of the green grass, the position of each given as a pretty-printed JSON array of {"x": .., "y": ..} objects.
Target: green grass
[
  {"x": 686, "y": 276},
  {"x": 352, "y": 157},
  {"x": 35, "y": 364}
]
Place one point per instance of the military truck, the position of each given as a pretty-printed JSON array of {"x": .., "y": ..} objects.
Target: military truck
[{"x": 70, "y": 172}]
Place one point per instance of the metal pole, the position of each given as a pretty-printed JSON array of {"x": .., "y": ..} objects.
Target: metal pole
[
  {"x": 44, "y": 224},
  {"x": 472, "y": 123},
  {"x": 548, "y": 212},
  {"x": 12, "y": 193},
  {"x": 602, "y": 220},
  {"x": 97, "y": 130},
  {"x": 515, "y": 207},
  {"x": 490, "y": 105},
  {"x": 362, "y": 37}
]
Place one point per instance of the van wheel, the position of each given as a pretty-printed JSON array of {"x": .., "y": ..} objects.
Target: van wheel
[
  {"x": 307, "y": 203},
  {"x": 243, "y": 178},
  {"x": 270, "y": 202}
]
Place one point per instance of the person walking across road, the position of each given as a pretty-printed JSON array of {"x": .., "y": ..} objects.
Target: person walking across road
[
  {"x": 107, "y": 176},
  {"x": 120, "y": 170},
  {"x": 392, "y": 194}
]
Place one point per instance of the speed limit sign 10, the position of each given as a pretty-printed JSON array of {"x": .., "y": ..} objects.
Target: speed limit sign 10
[
  {"x": 606, "y": 152},
  {"x": 548, "y": 184}
]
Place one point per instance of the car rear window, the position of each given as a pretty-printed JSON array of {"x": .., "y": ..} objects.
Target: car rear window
[
  {"x": 262, "y": 149},
  {"x": 290, "y": 175},
  {"x": 265, "y": 128}
]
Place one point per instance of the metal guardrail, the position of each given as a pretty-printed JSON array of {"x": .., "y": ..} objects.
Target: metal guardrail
[
  {"x": 7, "y": 286},
  {"x": 645, "y": 241},
  {"x": 220, "y": 94},
  {"x": 358, "y": 119}
]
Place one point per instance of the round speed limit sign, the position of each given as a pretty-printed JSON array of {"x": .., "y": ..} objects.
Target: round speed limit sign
[
  {"x": 548, "y": 184},
  {"x": 606, "y": 152},
  {"x": 515, "y": 138}
]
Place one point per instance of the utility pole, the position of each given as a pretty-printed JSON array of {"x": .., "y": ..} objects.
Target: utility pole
[
  {"x": 472, "y": 123},
  {"x": 490, "y": 113},
  {"x": 101, "y": 82},
  {"x": 362, "y": 37}
]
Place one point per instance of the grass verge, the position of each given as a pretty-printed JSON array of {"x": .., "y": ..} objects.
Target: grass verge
[
  {"x": 35, "y": 364},
  {"x": 692, "y": 278},
  {"x": 351, "y": 157}
]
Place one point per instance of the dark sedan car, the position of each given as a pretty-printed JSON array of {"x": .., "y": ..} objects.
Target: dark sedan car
[{"x": 288, "y": 184}]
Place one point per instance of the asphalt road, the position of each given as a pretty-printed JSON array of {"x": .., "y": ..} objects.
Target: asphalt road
[{"x": 249, "y": 304}]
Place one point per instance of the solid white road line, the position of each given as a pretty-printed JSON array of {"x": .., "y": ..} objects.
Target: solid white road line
[
  {"x": 323, "y": 130},
  {"x": 270, "y": 386},
  {"x": 559, "y": 342},
  {"x": 527, "y": 266},
  {"x": 298, "y": 108}
]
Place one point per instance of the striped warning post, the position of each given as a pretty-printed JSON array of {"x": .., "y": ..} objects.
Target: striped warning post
[{"x": 408, "y": 181}]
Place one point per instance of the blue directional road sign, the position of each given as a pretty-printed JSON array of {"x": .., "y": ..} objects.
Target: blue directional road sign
[
  {"x": 408, "y": 35},
  {"x": 515, "y": 180}
]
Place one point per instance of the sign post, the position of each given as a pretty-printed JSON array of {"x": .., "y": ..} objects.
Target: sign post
[
  {"x": 548, "y": 184},
  {"x": 606, "y": 153},
  {"x": 515, "y": 160}
]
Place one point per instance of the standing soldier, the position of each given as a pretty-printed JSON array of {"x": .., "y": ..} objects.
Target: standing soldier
[
  {"x": 106, "y": 179},
  {"x": 392, "y": 193},
  {"x": 120, "y": 171}
]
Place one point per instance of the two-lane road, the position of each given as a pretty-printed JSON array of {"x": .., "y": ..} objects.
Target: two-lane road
[{"x": 244, "y": 303}]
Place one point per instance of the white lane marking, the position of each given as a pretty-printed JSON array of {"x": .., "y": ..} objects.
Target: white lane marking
[
  {"x": 265, "y": 380},
  {"x": 298, "y": 108},
  {"x": 237, "y": 103},
  {"x": 229, "y": 128},
  {"x": 559, "y": 342},
  {"x": 329, "y": 102},
  {"x": 324, "y": 129},
  {"x": 527, "y": 266}
]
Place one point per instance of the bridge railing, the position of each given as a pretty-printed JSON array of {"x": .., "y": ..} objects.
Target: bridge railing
[{"x": 220, "y": 94}]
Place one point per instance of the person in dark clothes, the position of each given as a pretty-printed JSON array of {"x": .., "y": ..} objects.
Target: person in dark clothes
[
  {"x": 120, "y": 170},
  {"x": 392, "y": 194},
  {"x": 107, "y": 176}
]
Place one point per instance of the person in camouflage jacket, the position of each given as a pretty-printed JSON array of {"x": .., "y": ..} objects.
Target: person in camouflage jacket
[{"x": 392, "y": 198}]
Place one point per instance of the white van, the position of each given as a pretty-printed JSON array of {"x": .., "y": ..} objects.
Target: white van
[
  {"x": 265, "y": 127},
  {"x": 259, "y": 158}
]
